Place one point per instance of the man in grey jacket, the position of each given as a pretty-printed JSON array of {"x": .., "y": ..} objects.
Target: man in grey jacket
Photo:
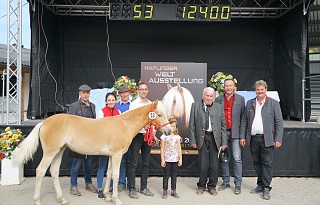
[
  {"x": 207, "y": 132},
  {"x": 233, "y": 105},
  {"x": 83, "y": 108},
  {"x": 262, "y": 126}
]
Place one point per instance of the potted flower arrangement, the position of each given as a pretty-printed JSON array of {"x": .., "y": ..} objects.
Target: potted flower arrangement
[
  {"x": 9, "y": 140},
  {"x": 131, "y": 83},
  {"x": 217, "y": 81}
]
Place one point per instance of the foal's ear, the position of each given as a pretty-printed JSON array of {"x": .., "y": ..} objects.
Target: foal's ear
[{"x": 155, "y": 103}]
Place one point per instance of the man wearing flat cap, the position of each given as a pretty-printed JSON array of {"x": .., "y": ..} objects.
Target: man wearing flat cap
[
  {"x": 83, "y": 108},
  {"x": 123, "y": 105}
]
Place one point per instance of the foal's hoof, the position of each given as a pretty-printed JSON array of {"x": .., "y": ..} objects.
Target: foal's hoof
[
  {"x": 65, "y": 203},
  {"x": 118, "y": 202},
  {"x": 108, "y": 198}
]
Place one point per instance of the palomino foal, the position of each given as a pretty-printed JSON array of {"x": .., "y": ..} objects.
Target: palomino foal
[{"x": 107, "y": 136}]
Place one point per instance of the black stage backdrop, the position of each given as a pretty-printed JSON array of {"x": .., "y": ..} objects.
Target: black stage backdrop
[
  {"x": 298, "y": 156},
  {"x": 74, "y": 50}
]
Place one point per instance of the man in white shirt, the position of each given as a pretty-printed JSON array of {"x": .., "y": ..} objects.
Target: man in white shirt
[
  {"x": 262, "y": 127},
  {"x": 137, "y": 144}
]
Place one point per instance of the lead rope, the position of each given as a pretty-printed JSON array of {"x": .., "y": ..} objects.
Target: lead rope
[{"x": 149, "y": 132}]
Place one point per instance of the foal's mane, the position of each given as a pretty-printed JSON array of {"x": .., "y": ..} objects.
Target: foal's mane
[{"x": 135, "y": 112}]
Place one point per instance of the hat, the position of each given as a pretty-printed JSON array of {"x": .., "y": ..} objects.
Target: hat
[
  {"x": 224, "y": 155},
  {"x": 123, "y": 88},
  {"x": 84, "y": 87}
]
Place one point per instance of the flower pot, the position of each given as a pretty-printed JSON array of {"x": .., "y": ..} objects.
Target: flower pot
[{"x": 11, "y": 173}]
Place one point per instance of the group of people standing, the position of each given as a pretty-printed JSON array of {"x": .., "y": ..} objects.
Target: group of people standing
[
  {"x": 216, "y": 125},
  {"x": 129, "y": 162},
  {"x": 221, "y": 123}
]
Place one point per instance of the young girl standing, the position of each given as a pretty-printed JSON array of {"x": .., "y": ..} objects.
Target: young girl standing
[{"x": 171, "y": 158}]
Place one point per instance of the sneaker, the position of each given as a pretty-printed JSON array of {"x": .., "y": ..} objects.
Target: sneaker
[
  {"x": 133, "y": 194},
  {"x": 121, "y": 188},
  {"x": 100, "y": 195},
  {"x": 200, "y": 191},
  {"x": 164, "y": 194},
  {"x": 256, "y": 190},
  {"x": 237, "y": 190},
  {"x": 91, "y": 188},
  {"x": 174, "y": 194},
  {"x": 266, "y": 194},
  {"x": 146, "y": 192},
  {"x": 75, "y": 191},
  {"x": 224, "y": 186}
]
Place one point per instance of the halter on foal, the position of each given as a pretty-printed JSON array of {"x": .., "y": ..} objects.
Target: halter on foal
[{"x": 107, "y": 136}]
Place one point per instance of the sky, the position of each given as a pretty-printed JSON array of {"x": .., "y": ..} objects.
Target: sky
[{"x": 26, "y": 34}]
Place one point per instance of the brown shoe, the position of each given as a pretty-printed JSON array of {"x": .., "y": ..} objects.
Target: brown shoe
[
  {"x": 75, "y": 191},
  {"x": 200, "y": 191},
  {"x": 91, "y": 188},
  {"x": 213, "y": 192}
]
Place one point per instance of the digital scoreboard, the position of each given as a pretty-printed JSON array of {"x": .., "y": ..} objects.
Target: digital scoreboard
[{"x": 170, "y": 12}]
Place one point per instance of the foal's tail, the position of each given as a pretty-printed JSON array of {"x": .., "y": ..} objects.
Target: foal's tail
[{"x": 24, "y": 152}]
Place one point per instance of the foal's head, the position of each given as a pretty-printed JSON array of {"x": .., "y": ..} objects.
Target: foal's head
[{"x": 161, "y": 121}]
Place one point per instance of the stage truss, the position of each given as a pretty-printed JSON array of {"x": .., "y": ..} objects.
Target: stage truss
[
  {"x": 12, "y": 101},
  {"x": 239, "y": 8}
]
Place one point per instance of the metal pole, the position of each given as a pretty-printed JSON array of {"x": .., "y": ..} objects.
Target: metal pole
[
  {"x": 303, "y": 100},
  {"x": 3, "y": 94}
]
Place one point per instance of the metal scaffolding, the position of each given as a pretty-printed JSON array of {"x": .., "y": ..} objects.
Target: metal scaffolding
[
  {"x": 239, "y": 8},
  {"x": 12, "y": 76}
]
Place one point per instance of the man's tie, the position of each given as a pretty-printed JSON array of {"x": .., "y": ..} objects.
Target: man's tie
[{"x": 207, "y": 117}]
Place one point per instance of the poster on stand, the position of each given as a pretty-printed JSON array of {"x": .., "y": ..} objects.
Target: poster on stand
[{"x": 177, "y": 85}]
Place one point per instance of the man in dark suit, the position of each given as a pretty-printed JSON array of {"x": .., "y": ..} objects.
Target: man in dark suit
[
  {"x": 83, "y": 108},
  {"x": 262, "y": 126},
  {"x": 233, "y": 110},
  {"x": 207, "y": 130}
]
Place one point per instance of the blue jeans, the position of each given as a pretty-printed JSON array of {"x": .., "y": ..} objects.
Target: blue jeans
[
  {"x": 237, "y": 162},
  {"x": 123, "y": 169},
  {"x": 103, "y": 163},
  {"x": 75, "y": 170}
]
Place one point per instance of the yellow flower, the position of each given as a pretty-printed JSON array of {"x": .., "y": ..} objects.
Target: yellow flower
[
  {"x": 5, "y": 146},
  {"x": 211, "y": 79},
  {"x": 235, "y": 80},
  {"x": 7, "y": 129},
  {"x": 15, "y": 136},
  {"x": 121, "y": 80},
  {"x": 6, "y": 137}
]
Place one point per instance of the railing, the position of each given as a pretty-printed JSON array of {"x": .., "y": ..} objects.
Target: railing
[{"x": 315, "y": 99}]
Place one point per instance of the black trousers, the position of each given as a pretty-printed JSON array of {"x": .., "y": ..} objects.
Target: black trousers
[
  {"x": 170, "y": 170},
  {"x": 209, "y": 165},
  {"x": 262, "y": 160},
  {"x": 137, "y": 144}
]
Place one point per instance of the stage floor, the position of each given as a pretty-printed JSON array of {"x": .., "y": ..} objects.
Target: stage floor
[{"x": 286, "y": 124}]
